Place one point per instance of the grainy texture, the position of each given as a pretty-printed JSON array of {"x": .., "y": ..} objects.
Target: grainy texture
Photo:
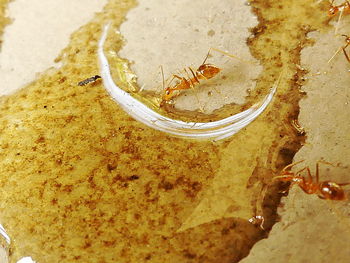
[{"x": 81, "y": 181}]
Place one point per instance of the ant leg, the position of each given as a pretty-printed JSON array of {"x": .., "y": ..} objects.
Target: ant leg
[
  {"x": 194, "y": 77},
  {"x": 175, "y": 77},
  {"x": 195, "y": 94},
  {"x": 291, "y": 165},
  {"x": 323, "y": 162},
  {"x": 317, "y": 173},
  {"x": 310, "y": 176},
  {"x": 307, "y": 186},
  {"x": 328, "y": 163},
  {"x": 169, "y": 90},
  {"x": 345, "y": 53},
  {"x": 230, "y": 55},
  {"x": 189, "y": 79},
  {"x": 197, "y": 80}
]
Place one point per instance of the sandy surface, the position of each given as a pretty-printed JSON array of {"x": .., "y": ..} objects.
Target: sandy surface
[
  {"x": 36, "y": 37},
  {"x": 311, "y": 229},
  {"x": 186, "y": 37}
]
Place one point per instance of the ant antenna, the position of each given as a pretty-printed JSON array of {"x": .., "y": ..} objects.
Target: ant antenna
[
  {"x": 207, "y": 56},
  {"x": 161, "y": 70},
  {"x": 232, "y": 56}
]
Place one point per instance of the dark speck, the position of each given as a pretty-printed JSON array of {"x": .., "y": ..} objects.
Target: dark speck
[{"x": 134, "y": 177}]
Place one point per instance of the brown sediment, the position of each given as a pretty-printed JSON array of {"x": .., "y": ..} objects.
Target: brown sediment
[
  {"x": 277, "y": 42},
  {"x": 82, "y": 181},
  {"x": 3, "y": 19}
]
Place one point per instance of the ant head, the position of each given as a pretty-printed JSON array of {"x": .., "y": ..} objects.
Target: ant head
[
  {"x": 290, "y": 177},
  {"x": 168, "y": 94},
  {"x": 333, "y": 10},
  {"x": 331, "y": 191},
  {"x": 208, "y": 70}
]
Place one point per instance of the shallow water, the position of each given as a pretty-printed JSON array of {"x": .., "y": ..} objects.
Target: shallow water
[{"x": 82, "y": 181}]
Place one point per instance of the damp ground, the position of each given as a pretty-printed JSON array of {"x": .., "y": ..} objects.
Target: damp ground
[{"x": 82, "y": 181}]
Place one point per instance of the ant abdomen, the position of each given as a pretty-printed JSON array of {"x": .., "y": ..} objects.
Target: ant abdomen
[
  {"x": 331, "y": 191},
  {"x": 207, "y": 71}
]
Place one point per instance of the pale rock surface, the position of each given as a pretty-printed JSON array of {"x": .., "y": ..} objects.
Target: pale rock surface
[{"x": 37, "y": 35}]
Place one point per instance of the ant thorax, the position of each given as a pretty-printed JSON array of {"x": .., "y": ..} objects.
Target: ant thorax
[{"x": 298, "y": 180}]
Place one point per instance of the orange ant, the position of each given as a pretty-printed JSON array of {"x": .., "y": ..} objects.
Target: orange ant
[
  {"x": 335, "y": 9},
  {"x": 204, "y": 71},
  {"x": 325, "y": 190}
]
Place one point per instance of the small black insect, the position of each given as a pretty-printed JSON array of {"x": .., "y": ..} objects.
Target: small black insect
[{"x": 89, "y": 80}]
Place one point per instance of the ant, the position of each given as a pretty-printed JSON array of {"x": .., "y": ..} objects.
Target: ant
[
  {"x": 347, "y": 43},
  {"x": 325, "y": 190},
  {"x": 89, "y": 80},
  {"x": 204, "y": 71},
  {"x": 335, "y": 9}
]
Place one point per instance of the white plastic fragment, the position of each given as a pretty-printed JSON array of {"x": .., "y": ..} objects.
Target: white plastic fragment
[{"x": 26, "y": 260}]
